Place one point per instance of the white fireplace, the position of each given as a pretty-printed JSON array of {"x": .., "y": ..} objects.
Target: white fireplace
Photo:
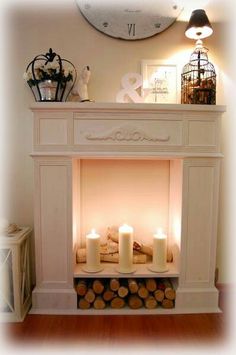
[{"x": 98, "y": 165}]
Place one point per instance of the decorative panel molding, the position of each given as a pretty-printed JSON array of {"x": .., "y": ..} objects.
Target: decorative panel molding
[
  {"x": 202, "y": 133},
  {"x": 51, "y": 129},
  {"x": 53, "y": 213},
  {"x": 53, "y": 132},
  {"x": 199, "y": 218},
  {"x": 132, "y": 133},
  {"x": 53, "y": 203},
  {"x": 126, "y": 134},
  {"x": 85, "y": 128},
  {"x": 200, "y": 213}
]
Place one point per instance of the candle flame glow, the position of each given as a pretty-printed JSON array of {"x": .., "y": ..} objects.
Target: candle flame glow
[
  {"x": 125, "y": 228},
  {"x": 159, "y": 231},
  {"x": 160, "y": 234},
  {"x": 93, "y": 234}
]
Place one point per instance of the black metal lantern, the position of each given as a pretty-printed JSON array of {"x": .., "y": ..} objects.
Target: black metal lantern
[
  {"x": 198, "y": 79},
  {"x": 50, "y": 77}
]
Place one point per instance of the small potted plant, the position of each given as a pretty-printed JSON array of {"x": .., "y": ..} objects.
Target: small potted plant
[{"x": 50, "y": 77}]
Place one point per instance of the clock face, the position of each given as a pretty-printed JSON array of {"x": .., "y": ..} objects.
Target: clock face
[{"x": 130, "y": 19}]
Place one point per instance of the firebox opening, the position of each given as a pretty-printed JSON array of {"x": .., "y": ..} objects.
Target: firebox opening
[{"x": 145, "y": 194}]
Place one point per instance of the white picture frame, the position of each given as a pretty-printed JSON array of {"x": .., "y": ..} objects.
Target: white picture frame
[{"x": 161, "y": 81}]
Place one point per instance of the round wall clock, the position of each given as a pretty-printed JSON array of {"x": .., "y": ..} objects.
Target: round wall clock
[{"x": 130, "y": 19}]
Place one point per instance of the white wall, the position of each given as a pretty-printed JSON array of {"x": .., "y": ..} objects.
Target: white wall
[{"x": 32, "y": 29}]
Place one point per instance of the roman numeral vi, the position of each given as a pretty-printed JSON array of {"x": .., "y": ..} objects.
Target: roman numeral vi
[{"x": 131, "y": 29}]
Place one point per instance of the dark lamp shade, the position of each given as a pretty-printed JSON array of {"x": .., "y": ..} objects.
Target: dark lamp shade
[{"x": 199, "y": 25}]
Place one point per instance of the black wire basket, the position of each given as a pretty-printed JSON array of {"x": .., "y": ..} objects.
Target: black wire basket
[
  {"x": 198, "y": 80},
  {"x": 50, "y": 77}
]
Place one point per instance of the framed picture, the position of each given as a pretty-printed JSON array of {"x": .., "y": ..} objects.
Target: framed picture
[{"x": 161, "y": 81}]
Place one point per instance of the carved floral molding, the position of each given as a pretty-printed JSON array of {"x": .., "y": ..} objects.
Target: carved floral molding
[{"x": 125, "y": 134}]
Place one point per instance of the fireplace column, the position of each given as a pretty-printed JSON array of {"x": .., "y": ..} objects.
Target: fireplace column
[
  {"x": 53, "y": 234},
  {"x": 199, "y": 234}
]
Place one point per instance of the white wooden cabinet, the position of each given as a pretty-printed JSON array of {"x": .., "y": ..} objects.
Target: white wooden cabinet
[
  {"x": 15, "y": 289},
  {"x": 187, "y": 136}
]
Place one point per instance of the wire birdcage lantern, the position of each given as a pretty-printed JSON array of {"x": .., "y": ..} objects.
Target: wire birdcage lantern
[
  {"x": 198, "y": 79},
  {"x": 50, "y": 77}
]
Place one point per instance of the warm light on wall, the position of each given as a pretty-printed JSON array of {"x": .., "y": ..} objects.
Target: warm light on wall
[{"x": 176, "y": 230}]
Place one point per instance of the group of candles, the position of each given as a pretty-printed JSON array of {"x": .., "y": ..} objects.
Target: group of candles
[{"x": 126, "y": 251}]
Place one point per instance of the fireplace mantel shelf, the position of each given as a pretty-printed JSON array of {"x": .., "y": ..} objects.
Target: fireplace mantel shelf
[
  {"x": 104, "y": 106},
  {"x": 70, "y": 137},
  {"x": 114, "y": 129}
]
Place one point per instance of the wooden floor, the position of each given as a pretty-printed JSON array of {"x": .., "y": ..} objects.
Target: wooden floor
[{"x": 40, "y": 330}]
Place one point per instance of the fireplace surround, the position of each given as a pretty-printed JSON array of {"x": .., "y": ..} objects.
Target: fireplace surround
[{"x": 98, "y": 164}]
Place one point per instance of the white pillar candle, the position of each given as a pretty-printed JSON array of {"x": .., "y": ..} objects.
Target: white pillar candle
[
  {"x": 126, "y": 249},
  {"x": 93, "y": 252},
  {"x": 159, "y": 263}
]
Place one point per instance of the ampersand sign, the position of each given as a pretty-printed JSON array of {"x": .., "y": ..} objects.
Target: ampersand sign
[{"x": 130, "y": 83}]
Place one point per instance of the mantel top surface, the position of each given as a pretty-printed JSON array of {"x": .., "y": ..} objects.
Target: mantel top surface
[{"x": 110, "y": 106}]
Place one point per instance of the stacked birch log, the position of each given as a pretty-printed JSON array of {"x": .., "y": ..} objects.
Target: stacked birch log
[{"x": 118, "y": 293}]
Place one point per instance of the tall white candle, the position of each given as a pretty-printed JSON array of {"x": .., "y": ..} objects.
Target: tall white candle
[
  {"x": 126, "y": 249},
  {"x": 93, "y": 252},
  {"x": 159, "y": 263}
]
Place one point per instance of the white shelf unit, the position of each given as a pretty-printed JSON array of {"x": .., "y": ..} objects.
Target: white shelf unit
[{"x": 142, "y": 271}]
